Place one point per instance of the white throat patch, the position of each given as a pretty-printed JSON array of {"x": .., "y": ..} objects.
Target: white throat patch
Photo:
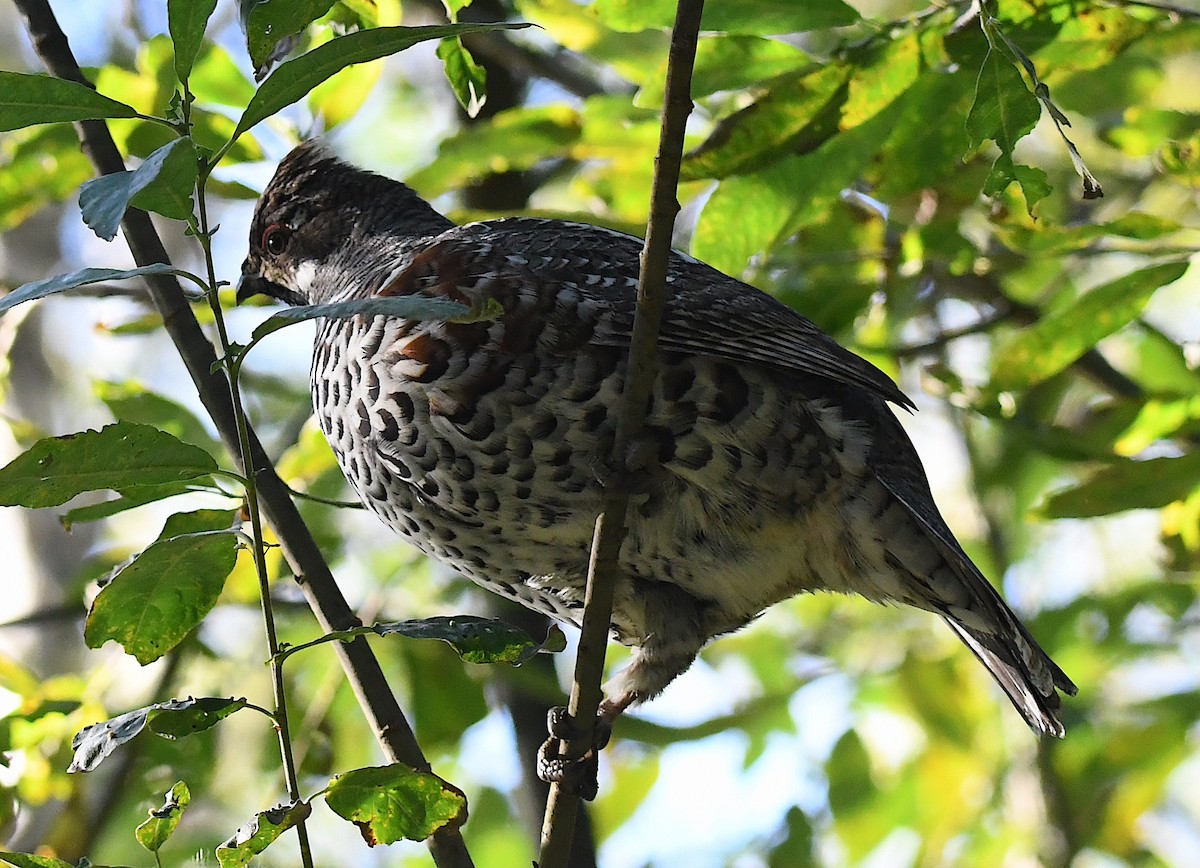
[{"x": 306, "y": 272}]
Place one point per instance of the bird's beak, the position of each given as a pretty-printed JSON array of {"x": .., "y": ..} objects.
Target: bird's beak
[{"x": 253, "y": 284}]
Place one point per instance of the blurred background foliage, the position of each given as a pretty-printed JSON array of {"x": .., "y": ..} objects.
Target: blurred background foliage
[{"x": 895, "y": 170}]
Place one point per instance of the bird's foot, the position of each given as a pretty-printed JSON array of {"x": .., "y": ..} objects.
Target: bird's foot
[{"x": 576, "y": 774}]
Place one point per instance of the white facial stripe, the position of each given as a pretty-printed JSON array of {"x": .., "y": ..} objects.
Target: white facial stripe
[{"x": 306, "y": 272}]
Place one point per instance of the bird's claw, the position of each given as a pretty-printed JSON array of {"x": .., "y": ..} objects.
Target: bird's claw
[{"x": 576, "y": 774}]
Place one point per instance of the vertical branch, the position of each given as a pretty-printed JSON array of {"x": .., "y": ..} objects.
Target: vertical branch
[
  {"x": 366, "y": 677},
  {"x": 562, "y": 806}
]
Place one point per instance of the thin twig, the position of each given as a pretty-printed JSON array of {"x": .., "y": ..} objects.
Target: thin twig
[
  {"x": 1091, "y": 363},
  {"x": 527, "y": 61},
  {"x": 283, "y": 729},
  {"x": 562, "y": 806},
  {"x": 371, "y": 688},
  {"x": 939, "y": 342}
]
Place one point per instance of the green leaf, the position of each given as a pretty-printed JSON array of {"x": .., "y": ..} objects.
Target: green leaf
[
  {"x": 186, "y": 20},
  {"x": 154, "y": 832},
  {"x": 170, "y": 192},
  {"x": 467, "y": 78},
  {"x": 217, "y": 78},
  {"x": 796, "y": 849},
  {"x": 1149, "y": 484},
  {"x": 394, "y": 802},
  {"x": 26, "y": 100},
  {"x": 852, "y": 796},
  {"x": 124, "y": 454},
  {"x": 28, "y": 860},
  {"x": 750, "y": 214},
  {"x": 477, "y": 640},
  {"x": 151, "y": 603},
  {"x": 849, "y": 770},
  {"x": 200, "y": 714},
  {"x": 1058, "y": 339},
  {"x": 1044, "y": 240},
  {"x": 877, "y": 83},
  {"x": 292, "y": 80},
  {"x": 93, "y": 744},
  {"x": 453, "y": 7},
  {"x": 41, "y": 165},
  {"x": 730, "y": 63},
  {"x": 512, "y": 140},
  {"x": 162, "y": 183},
  {"x": 129, "y": 498},
  {"x": 255, "y": 836},
  {"x": 269, "y": 22},
  {"x": 796, "y": 115},
  {"x": 84, "y": 277},
  {"x": 761, "y": 17},
  {"x": 1004, "y": 111},
  {"x": 132, "y": 402},
  {"x": 403, "y": 307}
]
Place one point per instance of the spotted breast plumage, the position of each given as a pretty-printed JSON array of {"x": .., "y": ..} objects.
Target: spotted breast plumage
[{"x": 775, "y": 465}]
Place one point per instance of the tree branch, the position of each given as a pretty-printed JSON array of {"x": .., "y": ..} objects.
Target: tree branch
[
  {"x": 501, "y": 51},
  {"x": 561, "y": 807},
  {"x": 366, "y": 677}
]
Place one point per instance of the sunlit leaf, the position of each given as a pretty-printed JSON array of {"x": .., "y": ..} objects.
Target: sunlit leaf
[
  {"x": 255, "y": 836},
  {"x": 1004, "y": 112},
  {"x": 155, "y": 831},
  {"x": 510, "y": 141},
  {"x": 187, "y": 20},
  {"x": 56, "y": 469},
  {"x": 394, "y": 802},
  {"x": 799, "y": 113},
  {"x": 477, "y": 640},
  {"x": 151, "y": 603},
  {"x": 1128, "y": 484},
  {"x": 28, "y": 860},
  {"x": 94, "y": 743},
  {"x": 876, "y": 85},
  {"x": 294, "y": 79},
  {"x": 269, "y": 23},
  {"x": 467, "y": 78},
  {"x": 41, "y": 165},
  {"x": 750, "y": 214},
  {"x": 730, "y": 62},
  {"x": 763, "y": 17},
  {"x": 133, "y": 402},
  {"x": 26, "y": 100},
  {"x": 1048, "y": 239},
  {"x": 1060, "y": 338}
]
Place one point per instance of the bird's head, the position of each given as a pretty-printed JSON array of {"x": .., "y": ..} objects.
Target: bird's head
[
  {"x": 321, "y": 220},
  {"x": 297, "y": 224}
]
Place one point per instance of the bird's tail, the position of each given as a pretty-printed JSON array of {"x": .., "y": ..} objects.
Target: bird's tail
[
  {"x": 1026, "y": 674},
  {"x": 985, "y": 623}
]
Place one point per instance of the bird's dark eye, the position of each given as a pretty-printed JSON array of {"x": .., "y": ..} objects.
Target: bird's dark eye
[{"x": 275, "y": 238}]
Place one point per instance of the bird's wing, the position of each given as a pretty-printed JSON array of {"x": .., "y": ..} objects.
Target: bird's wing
[{"x": 707, "y": 313}]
